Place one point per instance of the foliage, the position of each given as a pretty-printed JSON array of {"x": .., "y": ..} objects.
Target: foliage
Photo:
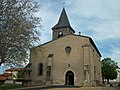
[
  {"x": 18, "y": 30},
  {"x": 10, "y": 86},
  {"x": 109, "y": 69}
]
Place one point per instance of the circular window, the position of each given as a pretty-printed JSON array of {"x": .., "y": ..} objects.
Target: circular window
[{"x": 68, "y": 49}]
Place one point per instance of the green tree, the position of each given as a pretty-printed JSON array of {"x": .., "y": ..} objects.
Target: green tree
[
  {"x": 18, "y": 30},
  {"x": 109, "y": 69}
]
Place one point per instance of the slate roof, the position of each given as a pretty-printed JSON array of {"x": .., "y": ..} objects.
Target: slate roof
[{"x": 63, "y": 21}]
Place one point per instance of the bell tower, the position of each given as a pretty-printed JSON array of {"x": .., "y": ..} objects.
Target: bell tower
[{"x": 63, "y": 27}]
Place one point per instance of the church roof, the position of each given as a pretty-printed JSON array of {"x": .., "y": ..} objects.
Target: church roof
[{"x": 63, "y": 21}]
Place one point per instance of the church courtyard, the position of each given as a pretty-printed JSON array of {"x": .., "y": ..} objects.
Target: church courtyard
[{"x": 69, "y": 88}]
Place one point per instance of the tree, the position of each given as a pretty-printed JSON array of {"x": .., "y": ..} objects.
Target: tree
[
  {"x": 109, "y": 69},
  {"x": 18, "y": 30}
]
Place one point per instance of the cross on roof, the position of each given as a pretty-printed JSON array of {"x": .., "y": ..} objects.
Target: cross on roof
[{"x": 63, "y": 4}]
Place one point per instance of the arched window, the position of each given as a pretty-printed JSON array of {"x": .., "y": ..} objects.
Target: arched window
[
  {"x": 60, "y": 34},
  {"x": 40, "y": 69}
]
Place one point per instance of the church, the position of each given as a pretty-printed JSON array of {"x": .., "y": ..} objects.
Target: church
[{"x": 68, "y": 59}]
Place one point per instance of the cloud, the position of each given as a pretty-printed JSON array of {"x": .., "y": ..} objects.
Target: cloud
[
  {"x": 116, "y": 54},
  {"x": 107, "y": 30},
  {"x": 99, "y": 19},
  {"x": 110, "y": 48},
  {"x": 98, "y": 16},
  {"x": 97, "y": 8}
]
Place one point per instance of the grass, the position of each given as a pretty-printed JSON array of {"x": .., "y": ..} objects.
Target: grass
[{"x": 10, "y": 86}]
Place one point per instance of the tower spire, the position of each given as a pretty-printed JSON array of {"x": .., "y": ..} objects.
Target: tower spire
[
  {"x": 63, "y": 21},
  {"x": 63, "y": 27}
]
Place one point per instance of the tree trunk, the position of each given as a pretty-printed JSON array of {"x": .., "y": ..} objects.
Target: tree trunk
[
  {"x": 108, "y": 81},
  {"x": 14, "y": 82},
  {"x": 103, "y": 80}
]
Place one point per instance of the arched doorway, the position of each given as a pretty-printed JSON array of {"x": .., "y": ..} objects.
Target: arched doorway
[{"x": 69, "y": 78}]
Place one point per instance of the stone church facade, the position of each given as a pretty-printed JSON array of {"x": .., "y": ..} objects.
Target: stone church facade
[{"x": 68, "y": 59}]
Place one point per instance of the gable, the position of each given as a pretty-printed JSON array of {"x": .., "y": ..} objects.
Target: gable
[{"x": 75, "y": 40}]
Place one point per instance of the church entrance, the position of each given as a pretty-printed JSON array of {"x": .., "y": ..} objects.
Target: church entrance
[{"x": 69, "y": 78}]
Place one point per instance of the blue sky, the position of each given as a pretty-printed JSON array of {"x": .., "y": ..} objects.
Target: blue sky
[{"x": 99, "y": 19}]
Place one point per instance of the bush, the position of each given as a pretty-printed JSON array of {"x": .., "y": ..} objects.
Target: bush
[{"x": 10, "y": 86}]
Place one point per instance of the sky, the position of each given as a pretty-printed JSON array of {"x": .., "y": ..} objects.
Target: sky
[{"x": 99, "y": 19}]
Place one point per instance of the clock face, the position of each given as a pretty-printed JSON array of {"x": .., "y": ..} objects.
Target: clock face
[{"x": 68, "y": 49}]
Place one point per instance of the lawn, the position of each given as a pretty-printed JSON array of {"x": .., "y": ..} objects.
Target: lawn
[{"x": 10, "y": 86}]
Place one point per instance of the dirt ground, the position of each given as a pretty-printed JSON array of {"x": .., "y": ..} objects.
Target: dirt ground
[{"x": 88, "y": 88}]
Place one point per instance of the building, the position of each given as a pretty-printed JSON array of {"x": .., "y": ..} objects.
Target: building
[
  {"x": 117, "y": 80},
  {"x": 13, "y": 73},
  {"x": 68, "y": 59},
  {"x": 118, "y": 75},
  {"x": 10, "y": 75},
  {"x": 4, "y": 77}
]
